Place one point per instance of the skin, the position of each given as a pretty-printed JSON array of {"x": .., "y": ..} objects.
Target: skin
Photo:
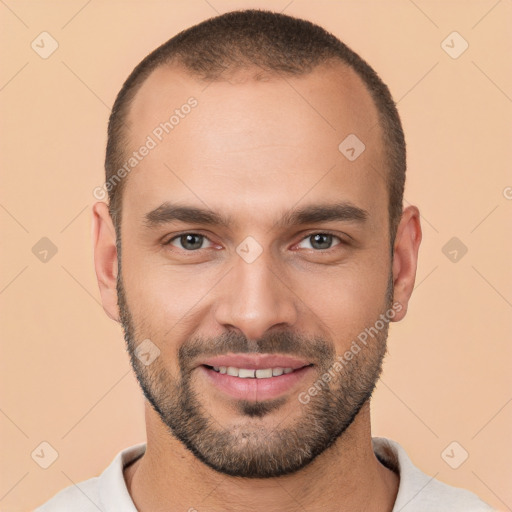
[{"x": 254, "y": 149}]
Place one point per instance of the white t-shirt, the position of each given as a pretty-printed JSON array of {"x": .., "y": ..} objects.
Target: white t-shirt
[{"x": 417, "y": 492}]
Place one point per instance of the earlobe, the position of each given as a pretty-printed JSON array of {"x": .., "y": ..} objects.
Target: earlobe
[
  {"x": 105, "y": 258},
  {"x": 406, "y": 247}
]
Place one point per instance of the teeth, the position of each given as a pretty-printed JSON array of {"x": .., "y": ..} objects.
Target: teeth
[
  {"x": 246, "y": 373},
  {"x": 264, "y": 374},
  {"x": 232, "y": 371}
]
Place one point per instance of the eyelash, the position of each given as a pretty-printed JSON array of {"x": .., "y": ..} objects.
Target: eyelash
[{"x": 302, "y": 239}]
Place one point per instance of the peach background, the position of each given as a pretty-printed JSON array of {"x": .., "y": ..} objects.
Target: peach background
[{"x": 65, "y": 375}]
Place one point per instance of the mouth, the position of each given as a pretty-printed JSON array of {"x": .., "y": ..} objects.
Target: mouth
[
  {"x": 249, "y": 373},
  {"x": 255, "y": 378}
]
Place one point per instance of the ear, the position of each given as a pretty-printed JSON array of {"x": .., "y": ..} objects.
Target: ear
[
  {"x": 406, "y": 246},
  {"x": 105, "y": 258}
]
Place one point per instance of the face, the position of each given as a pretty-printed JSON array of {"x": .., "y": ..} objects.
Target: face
[{"x": 254, "y": 255}]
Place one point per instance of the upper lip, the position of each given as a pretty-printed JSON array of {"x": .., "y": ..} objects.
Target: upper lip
[{"x": 256, "y": 361}]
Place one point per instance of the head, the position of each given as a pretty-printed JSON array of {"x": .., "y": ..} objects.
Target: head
[{"x": 261, "y": 228}]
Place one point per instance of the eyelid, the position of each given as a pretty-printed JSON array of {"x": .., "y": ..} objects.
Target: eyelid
[
  {"x": 179, "y": 235},
  {"x": 304, "y": 237},
  {"x": 323, "y": 232}
]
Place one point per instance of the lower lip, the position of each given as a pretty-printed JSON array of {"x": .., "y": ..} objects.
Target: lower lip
[{"x": 256, "y": 389}]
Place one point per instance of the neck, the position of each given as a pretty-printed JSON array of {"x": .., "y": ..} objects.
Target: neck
[{"x": 346, "y": 477}]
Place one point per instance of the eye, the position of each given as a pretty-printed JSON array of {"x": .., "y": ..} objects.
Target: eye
[
  {"x": 320, "y": 241},
  {"x": 188, "y": 241}
]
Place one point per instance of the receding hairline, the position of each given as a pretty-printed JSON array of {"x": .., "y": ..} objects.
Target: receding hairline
[{"x": 248, "y": 72}]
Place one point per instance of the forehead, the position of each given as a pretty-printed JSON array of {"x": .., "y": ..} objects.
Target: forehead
[{"x": 246, "y": 141}]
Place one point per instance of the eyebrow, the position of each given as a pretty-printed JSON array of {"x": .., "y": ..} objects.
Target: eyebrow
[{"x": 168, "y": 212}]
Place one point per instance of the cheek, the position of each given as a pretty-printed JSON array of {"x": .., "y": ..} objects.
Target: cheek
[
  {"x": 156, "y": 285},
  {"x": 165, "y": 300},
  {"x": 347, "y": 300}
]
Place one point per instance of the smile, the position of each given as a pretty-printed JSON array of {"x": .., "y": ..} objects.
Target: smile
[
  {"x": 256, "y": 378},
  {"x": 248, "y": 373}
]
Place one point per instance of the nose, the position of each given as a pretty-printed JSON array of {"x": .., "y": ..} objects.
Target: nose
[{"x": 256, "y": 298}]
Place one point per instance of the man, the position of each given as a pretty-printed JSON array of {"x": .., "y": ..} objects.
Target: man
[{"x": 255, "y": 250}]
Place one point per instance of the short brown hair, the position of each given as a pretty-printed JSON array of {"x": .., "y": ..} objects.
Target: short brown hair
[{"x": 275, "y": 43}]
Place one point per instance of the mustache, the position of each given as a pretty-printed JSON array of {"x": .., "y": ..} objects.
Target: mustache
[{"x": 315, "y": 349}]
